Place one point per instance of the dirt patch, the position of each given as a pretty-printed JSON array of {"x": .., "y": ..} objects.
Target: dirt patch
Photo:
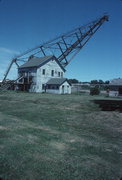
[
  {"x": 3, "y": 128},
  {"x": 48, "y": 129},
  {"x": 31, "y": 139},
  {"x": 109, "y": 105},
  {"x": 58, "y": 146}
]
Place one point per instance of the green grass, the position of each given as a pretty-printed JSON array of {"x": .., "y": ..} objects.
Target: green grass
[{"x": 58, "y": 137}]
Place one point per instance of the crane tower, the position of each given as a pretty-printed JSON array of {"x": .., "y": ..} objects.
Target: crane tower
[{"x": 63, "y": 47}]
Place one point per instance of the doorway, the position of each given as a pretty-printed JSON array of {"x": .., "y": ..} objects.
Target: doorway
[{"x": 63, "y": 89}]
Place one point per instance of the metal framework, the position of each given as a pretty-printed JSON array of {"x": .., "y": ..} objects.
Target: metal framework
[{"x": 64, "y": 47}]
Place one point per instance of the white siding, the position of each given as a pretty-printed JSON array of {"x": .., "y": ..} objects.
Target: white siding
[
  {"x": 33, "y": 85},
  {"x": 53, "y": 91},
  {"x": 65, "y": 88},
  {"x": 44, "y": 78},
  {"x": 113, "y": 93}
]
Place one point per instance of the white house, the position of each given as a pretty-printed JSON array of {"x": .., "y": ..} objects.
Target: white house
[
  {"x": 115, "y": 87},
  {"x": 43, "y": 74},
  {"x": 58, "y": 86}
]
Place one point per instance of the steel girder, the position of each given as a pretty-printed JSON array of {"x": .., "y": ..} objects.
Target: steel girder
[{"x": 63, "y": 47}]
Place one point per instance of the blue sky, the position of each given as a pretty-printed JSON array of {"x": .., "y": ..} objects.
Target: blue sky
[{"x": 27, "y": 23}]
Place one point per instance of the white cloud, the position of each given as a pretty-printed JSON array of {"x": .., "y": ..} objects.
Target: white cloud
[
  {"x": 6, "y": 55},
  {"x": 12, "y": 74},
  {"x": 9, "y": 51}
]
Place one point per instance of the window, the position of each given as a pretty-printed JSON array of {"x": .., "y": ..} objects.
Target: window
[
  {"x": 43, "y": 86},
  {"x": 52, "y": 87},
  {"x": 48, "y": 87},
  {"x": 43, "y": 71},
  {"x": 29, "y": 73},
  {"x": 61, "y": 74},
  {"x": 58, "y": 74},
  {"x": 24, "y": 74},
  {"x": 52, "y": 73}
]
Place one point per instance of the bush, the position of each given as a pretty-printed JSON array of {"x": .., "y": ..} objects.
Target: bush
[{"x": 94, "y": 91}]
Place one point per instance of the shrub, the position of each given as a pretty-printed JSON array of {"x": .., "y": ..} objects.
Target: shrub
[{"x": 94, "y": 91}]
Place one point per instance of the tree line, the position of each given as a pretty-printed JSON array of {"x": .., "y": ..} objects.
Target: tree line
[{"x": 100, "y": 81}]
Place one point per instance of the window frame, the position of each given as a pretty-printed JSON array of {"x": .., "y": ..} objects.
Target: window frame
[
  {"x": 43, "y": 71},
  {"x": 59, "y": 74},
  {"x": 52, "y": 73}
]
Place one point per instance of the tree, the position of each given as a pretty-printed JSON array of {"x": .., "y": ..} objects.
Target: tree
[
  {"x": 107, "y": 82},
  {"x": 94, "y": 91},
  {"x": 94, "y": 82},
  {"x": 73, "y": 81},
  {"x": 101, "y": 81}
]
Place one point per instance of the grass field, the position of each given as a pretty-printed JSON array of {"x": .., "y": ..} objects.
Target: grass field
[{"x": 58, "y": 137}]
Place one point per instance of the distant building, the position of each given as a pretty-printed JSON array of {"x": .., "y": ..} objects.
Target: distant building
[
  {"x": 78, "y": 87},
  {"x": 43, "y": 74},
  {"x": 115, "y": 87}
]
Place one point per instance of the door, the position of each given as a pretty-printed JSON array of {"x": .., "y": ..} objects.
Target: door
[{"x": 63, "y": 89}]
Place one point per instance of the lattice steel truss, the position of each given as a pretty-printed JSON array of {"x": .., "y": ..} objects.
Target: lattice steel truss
[{"x": 64, "y": 47}]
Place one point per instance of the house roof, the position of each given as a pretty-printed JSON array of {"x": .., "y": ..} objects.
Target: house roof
[
  {"x": 116, "y": 82},
  {"x": 56, "y": 81},
  {"x": 39, "y": 61},
  {"x": 36, "y": 61}
]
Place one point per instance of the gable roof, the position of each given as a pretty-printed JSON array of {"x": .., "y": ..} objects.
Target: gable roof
[
  {"x": 57, "y": 81},
  {"x": 36, "y": 61},
  {"x": 116, "y": 82},
  {"x": 39, "y": 61}
]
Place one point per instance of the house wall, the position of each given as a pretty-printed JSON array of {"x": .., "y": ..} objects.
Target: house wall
[
  {"x": 53, "y": 91},
  {"x": 65, "y": 88},
  {"x": 39, "y": 79},
  {"x": 113, "y": 93},
  {"x": 44, "y": 78}
]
